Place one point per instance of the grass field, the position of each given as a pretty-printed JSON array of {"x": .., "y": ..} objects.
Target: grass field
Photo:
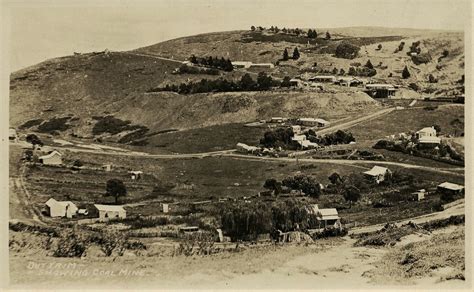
[
  {"x": 409, "y": 120},
  {"x": 213, "y": 138}
]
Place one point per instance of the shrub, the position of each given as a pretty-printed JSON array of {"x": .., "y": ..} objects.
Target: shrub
[
  {"x": 414, "y": 86},
  {"x": 347, "y": 51},
  {"x": 405, "y": 73},
  {"x": 421, "y": 58},
  {"x": 304, "y": 183},
  {"x": 54, "y": 124},
  {"x": 31, "y": 123}
]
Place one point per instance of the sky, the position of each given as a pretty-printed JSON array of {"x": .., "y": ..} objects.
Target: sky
[{"x": 43, "y": 29}]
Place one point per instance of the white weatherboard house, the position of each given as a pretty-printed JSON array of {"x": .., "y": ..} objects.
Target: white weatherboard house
[
  {"x": 450, "y": 188},
  {"x": 427, "y": 136},
  {"x": 244, "y": 148},
  {"x": 110, "y": 211},
  {"x": 53, "y": 158},
  {"x": 313, "y": 122},
  {"x": 323, "y": 78},
  {"x": 61, "y": 208},
  {"x": 241, "y": 64},
  {"x": 378, "y": 173},
  {"x": 328, "y": 218}
]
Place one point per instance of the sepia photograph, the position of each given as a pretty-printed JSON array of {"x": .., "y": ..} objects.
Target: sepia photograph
[{"x": 218, "y": 144}]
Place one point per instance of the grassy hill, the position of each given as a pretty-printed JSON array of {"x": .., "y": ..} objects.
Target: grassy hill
[{"x": 72, "y": 94}]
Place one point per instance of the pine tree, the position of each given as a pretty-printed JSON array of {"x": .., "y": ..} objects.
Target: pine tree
[
  {"x": 328, "y": 35},
  {"x": 296, "y": 54},
  {"x": 342, "y": 72},
  {"x": 406, "y": 74},
  {"x": 252, "y": 28},
  {"x": 369, "y": 65},
  {"x": 285, "y": 55}
]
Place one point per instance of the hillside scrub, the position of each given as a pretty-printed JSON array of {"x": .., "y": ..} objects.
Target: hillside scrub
[
  {"x": 54, "y": 125},
  {"x": 347, "y": 51},
  {"x": 112, "y": 125},
  {"x": 222, "y": 64},
  {"x": 31, "y": 123},
  {"x": 185, "y": 69},
  {"x": 338, "y": 137},
  {"x": 246, "y": 83}
]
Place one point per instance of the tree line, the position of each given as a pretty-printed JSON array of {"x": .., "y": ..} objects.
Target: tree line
[
  {"x": 246, "y": 83},
  {"x": 310, "y": 33},
  {"x": 213, "y": 62}
]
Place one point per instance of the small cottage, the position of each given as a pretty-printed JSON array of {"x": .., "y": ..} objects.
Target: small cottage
[
  {"x": 450, "y": 188},
  {"x": 53, "y": 158},
  {"x": 60, "y": 208},
  {"x": 378, "y": 174},
  {"x": 110, "y": 211},
  {"x": 136, "y": 174}
]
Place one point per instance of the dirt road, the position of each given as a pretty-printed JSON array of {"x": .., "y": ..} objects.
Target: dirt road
[
  {"x": 457, "y": 208},
  {"x": 354, "y": 122}
]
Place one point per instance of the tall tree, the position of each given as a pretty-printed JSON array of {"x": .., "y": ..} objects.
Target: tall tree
[
  {"x": 115, "y": 188},
  {"x": 405, "y": 73},
  {"x": 285, "y": 55},
  {"x": 296, "y": 54},
  {"x": 247, "y": 83},
  {"x": 369, "y": 65}
]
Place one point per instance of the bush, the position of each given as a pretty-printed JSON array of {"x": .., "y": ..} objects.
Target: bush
[
  {"x": 54, "y": 124},
  {"x": 347, "y": 51},
  {"x": 304, "y": 183},
  {"x": 421, "y": 58},
  {"x": 31, "y": 123},
  {"x": 414, "y": 86}
]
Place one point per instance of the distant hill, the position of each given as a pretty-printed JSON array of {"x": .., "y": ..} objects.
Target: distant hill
[{"x": 88, "y": 87}]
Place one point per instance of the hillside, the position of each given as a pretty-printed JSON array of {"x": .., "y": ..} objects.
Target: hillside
[
  {"x": 267, "y": 46},
  {"x": 72, "y": 94}
]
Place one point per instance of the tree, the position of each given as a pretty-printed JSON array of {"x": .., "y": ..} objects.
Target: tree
[
  {"x": 286, "y": 82},
  {"x": 264, "y": 82},
  {"x": 342, "y": 72},
  {"x": 296, "y": 54},
  {"x": 352, "y": 71},
  {"x": 369, "y": 65},
  {"x": 34, "y": 140},
  {"x": 406, "y": 74},
  {"x": 285, "y": 55},
  {"x": 247, "y": 83},
  {"x": 334, "y": 71},
  {"x": 335, "y": 178},
  {"x": 347, "y": 51},
  {"x": 115, "y": 188},
  {"x": 351, "y": 194},
  {"x": 193, "y": 59},
  {"x": 328, "y": 35},
  {"x": 273, "y": 184},
  {"x": 379, "y": 47},
  {"x": 432, "y": 79},
  {"x": 437, "y": 128},
  {"x": 252, "y": 28}
]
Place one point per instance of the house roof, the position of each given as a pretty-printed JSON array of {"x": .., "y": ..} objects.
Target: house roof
[
  {"x": 323, "y": 77},
  {"x": 113, "y": 208},
  {"x": 50, "y": 155},
  {"x": 307, "y": 143},
  {"x": 241, "y": 62},
  {"x": 52, "y": 202},
  {"x": 298, "y": 138},
  {"x": 322, "y": 121},
  {"x": 247, "y": 147},
  {"x": 429, "y": 139},
  {"x": 136, "y": 172},
  {"x": 427, "y": 130},
  {"x": 11, "y": 132},
  {"x": 380, "y": 85},
  {"x": 328, "y": 214},
  {"x": 376, "y": 170},
  {"x": 451, "y": 186}
]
